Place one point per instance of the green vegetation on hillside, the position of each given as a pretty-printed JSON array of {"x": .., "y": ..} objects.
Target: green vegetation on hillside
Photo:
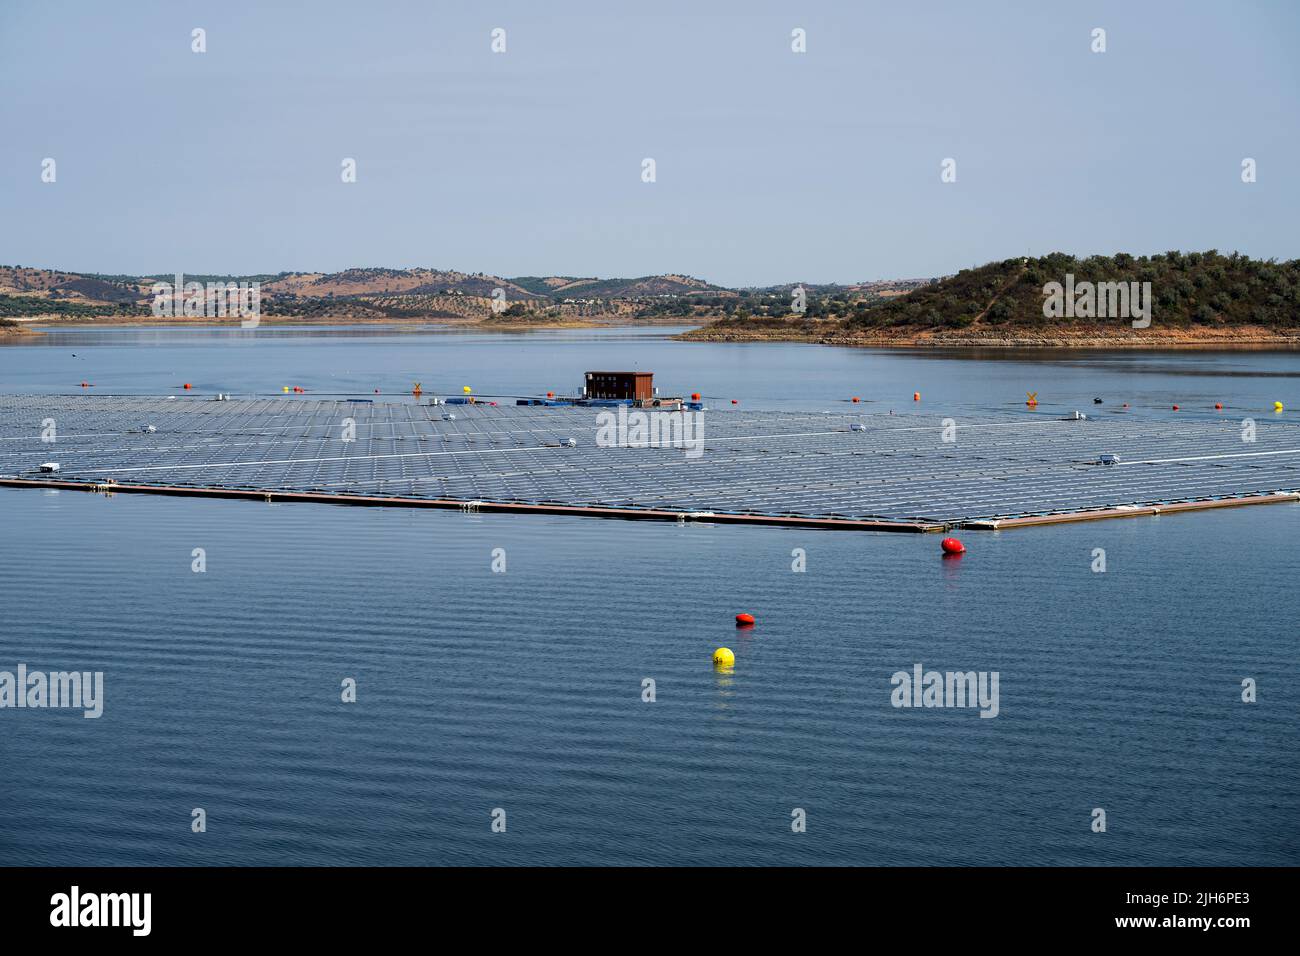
[
  {"x": 537, "y": 285},
  {"x": 22, "y": 305},
  {"x": 1187, "y": 288},
  {"x": 1201, "y": 290}
]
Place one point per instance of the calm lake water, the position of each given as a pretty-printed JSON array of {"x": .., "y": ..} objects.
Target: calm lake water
[{"x": 523, "y": 690}]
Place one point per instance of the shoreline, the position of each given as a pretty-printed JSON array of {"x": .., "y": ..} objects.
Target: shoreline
[
  {"x": 1238, "y": 337},
  {"x": 37, "y": 324},
  {"x": 1235, "y": 338}
]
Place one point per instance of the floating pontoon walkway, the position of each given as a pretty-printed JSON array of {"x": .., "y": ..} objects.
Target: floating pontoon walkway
[{"x": 864, "y": 470}]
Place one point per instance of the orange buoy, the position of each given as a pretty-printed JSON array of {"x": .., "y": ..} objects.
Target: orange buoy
[
  {"x": 550, "y": 394},
  {"x": 744, "y": 620},
  {"x": 856, "y": 399},
  {"x": 186, "y": 385},
  {"x": 952, "y": 546},
  {"x": 695, "y": 396},
  {"x": 916, "y": 396},
  {"x": 1218, "y": 405}
]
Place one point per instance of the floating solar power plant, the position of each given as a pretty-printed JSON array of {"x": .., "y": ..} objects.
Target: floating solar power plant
[{"x": 831, "y": 469}]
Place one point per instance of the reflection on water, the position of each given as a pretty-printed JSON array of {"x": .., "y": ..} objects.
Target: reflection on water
[
  {"x": 63, "y": 336},
  {"x": 365, "y": 360},
  {"x": 1212, "y": 362}
]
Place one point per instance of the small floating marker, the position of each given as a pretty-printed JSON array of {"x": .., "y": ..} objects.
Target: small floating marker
[
  {"x": 744, "y": 620},
  {"x": 187, "y": 385},
  {"x": 734, "y": 402},
  {"x": 1096, "y": 401},
  {"x": 855, "y": 399},
  {"x": 550, "y": 394},
  {"x": 1218, "y": 406},
  {"x": 695, "y": 396},
  {"x": 916, "y": 396},
  {"x": 466, "y": 389},
  {"x": 285, "y": 389},
  {"x": 952, "y": 546},
  {"x": 85, "y": 385},
  {"x": 1175, "y": 408},
  {"x": 1277, "y": 406},
  {"x": 724, "y": 657},
  {"x": 1125, "y": 405}
]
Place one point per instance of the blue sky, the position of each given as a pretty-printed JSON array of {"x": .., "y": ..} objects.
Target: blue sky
[{"x": 771, "y": 166}]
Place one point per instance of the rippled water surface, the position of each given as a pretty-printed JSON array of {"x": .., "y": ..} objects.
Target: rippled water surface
[{"x": 523, "y": 691}]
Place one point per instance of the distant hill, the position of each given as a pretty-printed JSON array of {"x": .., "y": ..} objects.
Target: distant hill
[
  {"x": 643, "y": 287},
  {"x": 995, "y": 303},
  {"x": 361, "y": 282},
  {"x": 367, "y": 294},
  {"x": 1187, "y": 288},
  {"x": 1193, "y": 296}
]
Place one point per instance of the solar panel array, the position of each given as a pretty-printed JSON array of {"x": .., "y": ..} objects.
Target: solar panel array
[{"x": 772, "y": 463}]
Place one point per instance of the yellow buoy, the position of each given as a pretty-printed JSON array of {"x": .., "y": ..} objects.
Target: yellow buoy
[
  {"x": 286, "y": 388},
  {"x": 723, "y": 657},
  {"x": 1277, "y": 406},
  {"x": 467, "y": 389}
]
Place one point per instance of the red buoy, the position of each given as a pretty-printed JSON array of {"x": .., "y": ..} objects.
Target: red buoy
[
  {"x": 1218, "y": 406},
  {"x": 550, "y": 394},
  {"x": 744, "y": 620},
  {"x": 186, "y": 385},
  {"x": 1175, "y": 408},
  {"x": 734, "y": 402},
  {"x": 916, "y": 396},
  {"x": 695, "y": 396},
  {"x": 952, "y": 546}
]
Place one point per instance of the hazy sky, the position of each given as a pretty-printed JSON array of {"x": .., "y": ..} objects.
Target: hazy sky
[{"x": 772, "y": 166}]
